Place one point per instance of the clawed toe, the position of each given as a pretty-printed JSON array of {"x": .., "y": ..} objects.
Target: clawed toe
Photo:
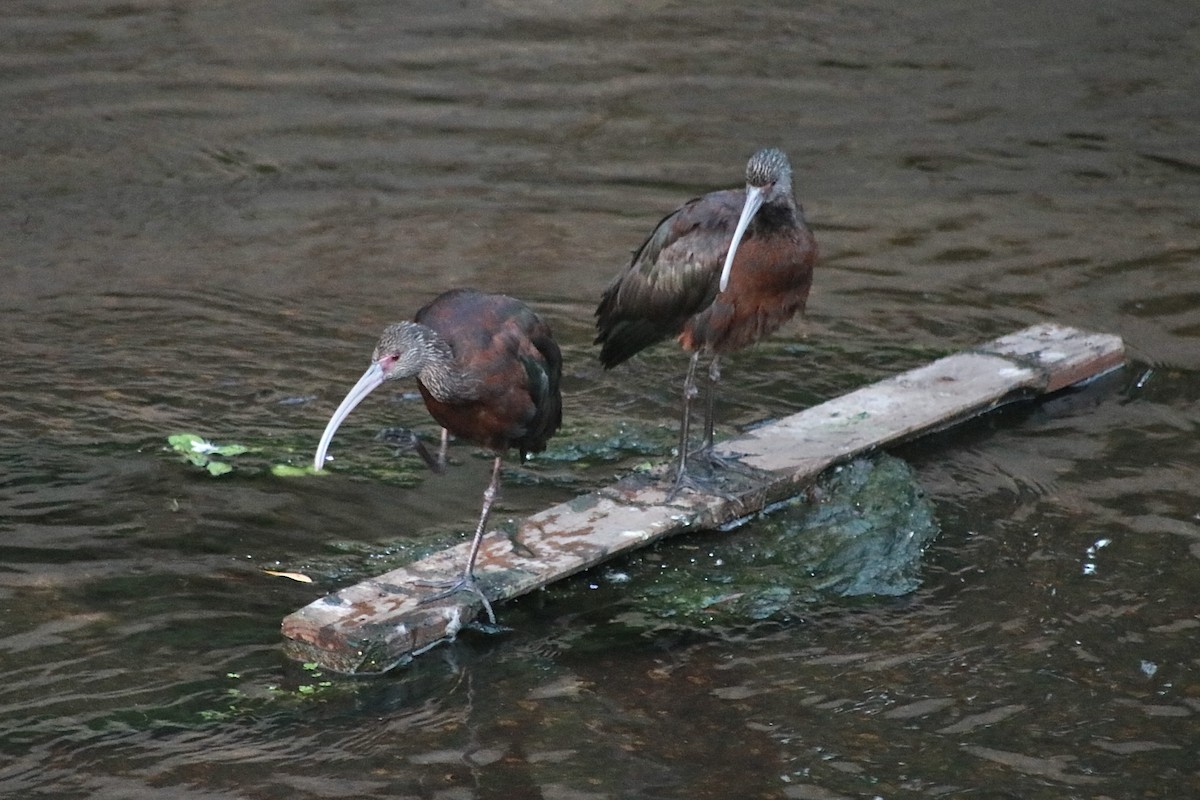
[
  {"x": 467, "y": 583},
  {"x": 706, "y": 472},
  {"x": 404, "y": 440}
]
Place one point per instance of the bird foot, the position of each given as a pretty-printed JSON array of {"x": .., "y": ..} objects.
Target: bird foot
[
  {"x": 467, "y": 583},
  {"x": 689, "y": 481},
  {"x": 727, "y": 463},
  {"x": 705, "y": 472},
  {"x": 404, "y": 440}
]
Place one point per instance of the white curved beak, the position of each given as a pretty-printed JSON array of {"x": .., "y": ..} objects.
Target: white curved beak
[
  {"x": 370, "y": 380},
  {"x": 754, "y": 201}
]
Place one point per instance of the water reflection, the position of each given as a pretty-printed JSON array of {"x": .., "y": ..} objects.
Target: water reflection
[{"x": 210, "y": 210}]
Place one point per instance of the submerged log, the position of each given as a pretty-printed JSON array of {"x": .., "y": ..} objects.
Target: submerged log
[{"x": 384, "y": 621}]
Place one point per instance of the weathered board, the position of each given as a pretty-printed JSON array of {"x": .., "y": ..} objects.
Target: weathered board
[{"x": 383, "y": 621}]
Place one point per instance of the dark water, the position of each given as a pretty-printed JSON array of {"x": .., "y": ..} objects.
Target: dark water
[{"x": 209, "y": 210}]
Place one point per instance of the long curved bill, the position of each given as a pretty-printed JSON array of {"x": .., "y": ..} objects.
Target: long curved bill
[
  {"x": 754, "y": 201},
  {"x": 366, "y": 384}
]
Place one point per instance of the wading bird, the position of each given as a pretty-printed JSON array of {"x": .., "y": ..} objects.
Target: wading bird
[
  {"x": 488, "y": 369},
  {"x": 719, "y": 273}
]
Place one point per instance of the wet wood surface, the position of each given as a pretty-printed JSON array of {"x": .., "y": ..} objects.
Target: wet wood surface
[{"x": 383, "y": 621}]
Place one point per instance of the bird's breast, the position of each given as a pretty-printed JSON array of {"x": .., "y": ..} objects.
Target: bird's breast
[{"x": 768, "y": 285}]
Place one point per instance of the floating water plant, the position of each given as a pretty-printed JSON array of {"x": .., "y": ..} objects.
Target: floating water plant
[
  {"x": 204, "y": 454},
  {"x": 260, "y": 457}
]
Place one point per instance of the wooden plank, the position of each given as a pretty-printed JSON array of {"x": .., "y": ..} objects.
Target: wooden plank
[{"x": 383, "y": 621}]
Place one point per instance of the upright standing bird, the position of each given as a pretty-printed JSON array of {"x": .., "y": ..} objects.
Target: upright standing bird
[
  {"x": 718, "y": 273},
  {"x": 488, "y": 369}
]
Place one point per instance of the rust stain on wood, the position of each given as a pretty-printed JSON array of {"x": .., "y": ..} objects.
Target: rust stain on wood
[{"x": 380, "y": 622}]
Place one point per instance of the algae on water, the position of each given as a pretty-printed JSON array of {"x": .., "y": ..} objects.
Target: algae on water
[{"x": 865, "y": 535}]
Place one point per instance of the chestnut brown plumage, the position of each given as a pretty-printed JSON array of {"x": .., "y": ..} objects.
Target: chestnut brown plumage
[
  {"x": 488, "y": 369},
  {"x": 719, "y": 273}
]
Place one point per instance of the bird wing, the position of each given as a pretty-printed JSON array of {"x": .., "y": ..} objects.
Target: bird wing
[
  {"x": 542, "y": 359},
  {"x": 511, "y": 355},
  {"x": 671, "y": 277}
]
